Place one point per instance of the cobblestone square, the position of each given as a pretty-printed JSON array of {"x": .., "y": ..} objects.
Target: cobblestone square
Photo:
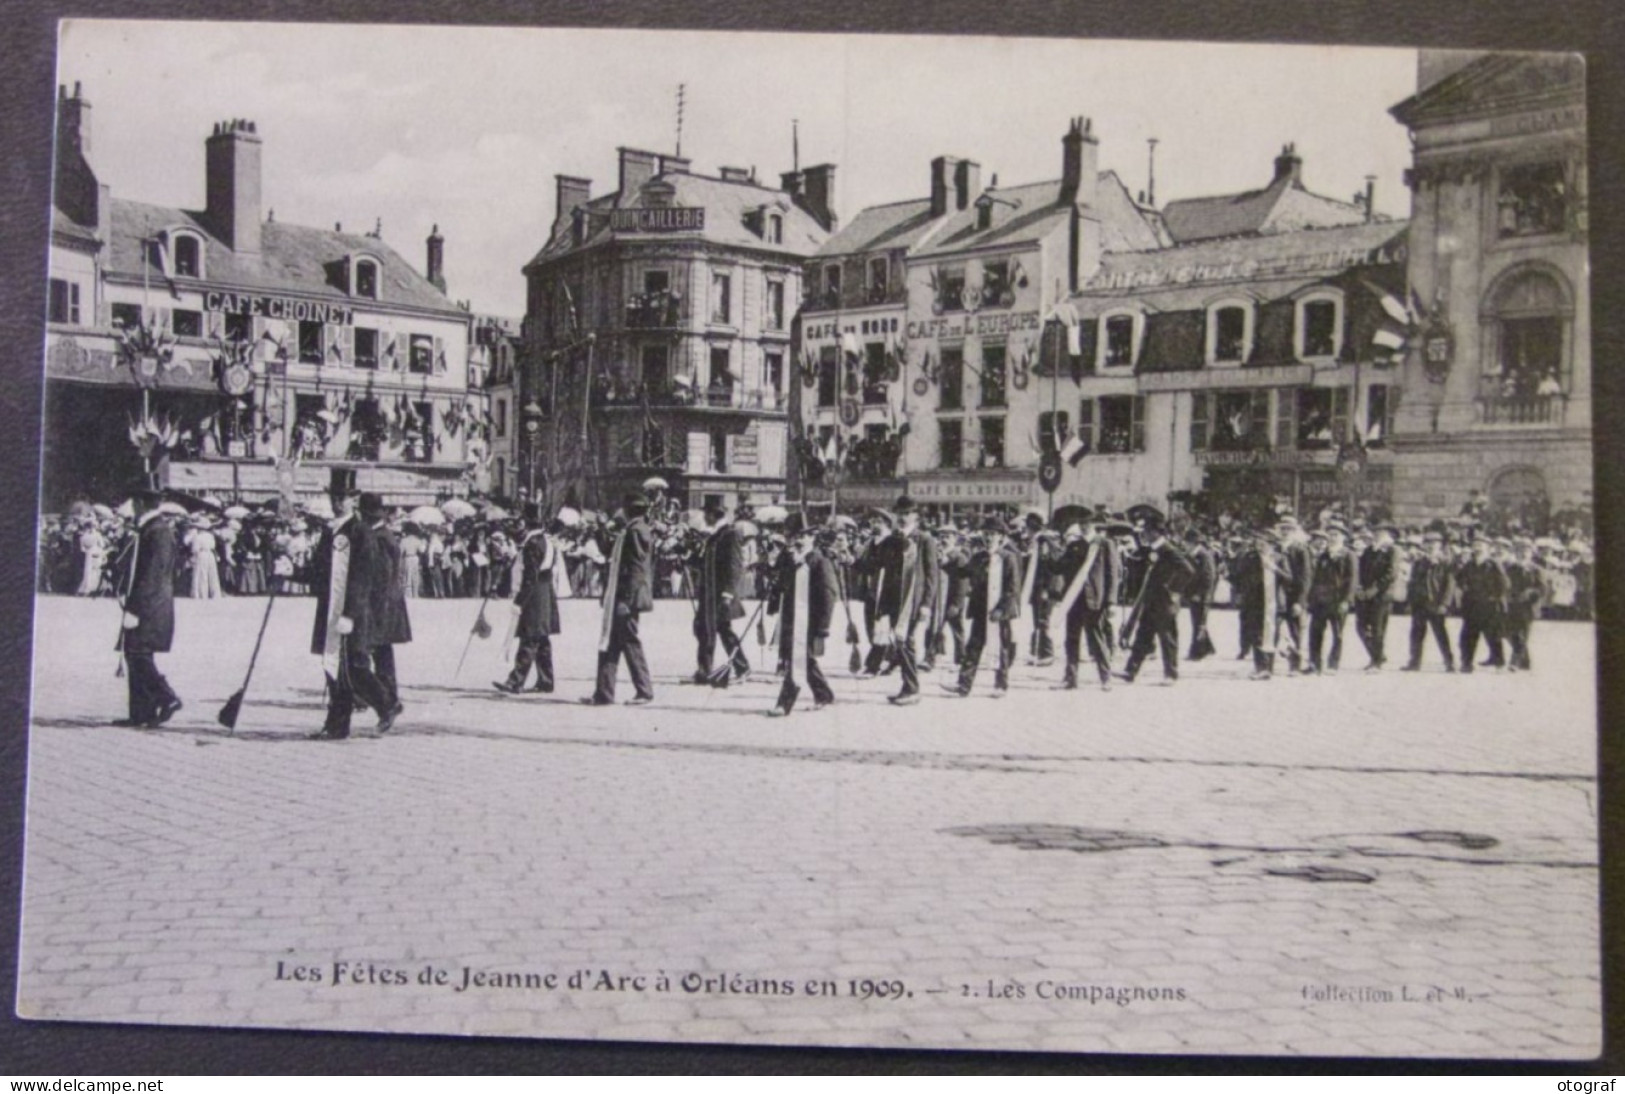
[{"x": 1386, "y": 864}]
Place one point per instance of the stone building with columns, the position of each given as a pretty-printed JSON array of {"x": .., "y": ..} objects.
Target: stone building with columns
[
  {"x": 240, "y": 355},
  {"x": 1498, "y": 410}
]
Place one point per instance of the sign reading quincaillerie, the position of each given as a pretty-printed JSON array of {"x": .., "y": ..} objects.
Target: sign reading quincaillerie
[
  {"x": 673, "y": 218},
  {"x": 278, "y": 307}
]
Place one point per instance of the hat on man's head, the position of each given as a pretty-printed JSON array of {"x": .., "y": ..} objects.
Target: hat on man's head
[
  {"x": 795, "y": 524},
  {"x": 905, "y": 504},
  {"x": 371, "y": 504},
  {"x": 713, "y": 504},
  {"x": 341, "y": 482},
  {"x": 993, "y": 523},
  {"x": 636, "y": 503},
  {"x": 534, "y": 514}
]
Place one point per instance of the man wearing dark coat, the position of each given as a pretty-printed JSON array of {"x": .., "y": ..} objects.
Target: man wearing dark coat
[
  {"x": 389, "y": 605},
  {"x": 955, "y": 578},
  {"x": 1332, "y": 578},
  {"x": 1484, "y": 588},
  {"x": 149, "y": 613},
  {"x": 1166, "y": 575},
  {"x": 1527, "y": 590},
  {"x": 628, "y": 593},
  {"x": 1257, "y": 575},
  {"x": 1043, "y": 548},
  {"x": 1431, "y": 591},
  {"x": 535, "y": 606},
  {"x": 994, "y": 604},
  {"x": 722, "y": 588},
  {"x": 1373, "y": 599},
  {"x": 899, "y": 595},
  {"x": 1292, "y": 602},
  {"x": 345, "y": 569},
  {"x": 1200, "y": 598},
  {"x": 932, "y": 596},
  {"x": 803, "y": 595},
  {"x": 1091, "y": 571}
]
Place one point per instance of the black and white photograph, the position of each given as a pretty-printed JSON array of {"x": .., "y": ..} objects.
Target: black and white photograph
[{"x": 810, "y": 539}]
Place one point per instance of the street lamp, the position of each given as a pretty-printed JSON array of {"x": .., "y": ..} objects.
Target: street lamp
[{"x": 531, "y": 416}]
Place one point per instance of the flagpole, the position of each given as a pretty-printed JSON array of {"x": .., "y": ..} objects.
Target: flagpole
[{"x": 1054, "y": 430}]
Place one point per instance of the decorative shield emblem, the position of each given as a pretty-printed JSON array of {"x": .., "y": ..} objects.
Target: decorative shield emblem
[
  {"x": 1049, "y": 471},
  {"x": 146, "y": 370},
  {"x": 849, "y": 412},
  {"x": 922, "y": 386},
  {"x": 1437, "y": 353},
  {"x": 236, "y": 380}
]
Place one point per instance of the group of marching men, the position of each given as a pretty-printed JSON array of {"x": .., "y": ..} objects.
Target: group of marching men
[{"x": 917, "y": 588}]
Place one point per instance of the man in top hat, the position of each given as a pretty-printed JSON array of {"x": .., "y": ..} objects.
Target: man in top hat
[
  {"x": 535, "y": 604},
  {"x": 1331, "y": 590},
  {"x": 1043, "y": 547},
  {"x": 803, "y": 594},
  {"x": 148, "y": 599},
  {"x": 1166, "y": 574},
  {"x": 994, "y": 604},
  {"x": 899, "y": 595},
  {"x": 1200, "y": 597},
  {"x": 1484, "y": 588},
  {"x": 1429, "y": 593},
  {"x": 1528, "y": 590},
  {"x": 723, "y": 584},
  {"x": 394, "y": 624},
  {"x": 344, "y": 571},
  {"x": 628, "y": 593},
  {"x": 1090, "y": 566},
  {"x": 1375, "y": 570}
]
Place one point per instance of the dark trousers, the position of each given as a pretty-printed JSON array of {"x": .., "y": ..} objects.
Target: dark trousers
[
  {"x": 903, "y": 658},
  {"x": 1290, "y": 620},
  {"x": 1517, "y": 636},
  {"x": 1160, "y": 633},
  {"x": 1201, "y": 641},
  {"x": 1041, "y": 645},
  {"x": 1093, "y": 626},
  {"x": 383, "y": 667},
  {"x": 1320, "y": 621},
  {"x": 1494, "y": 631},
  {"x": 149, "y": 691},
  {"x": 536, "y": 651},
  {"x": 1371, "y": 624},
  {"x": 973, "y": 654},
  {"x": 952, "y": 626},
  {"x": 1473, "y": 627},
  {"x": 623, "y": 639},
  {"x": 1423, "y": 621},
  {"x": 815, "y": 681},
  {"x": 355, "y": 682},
  {"x": 707, "y": 649}
]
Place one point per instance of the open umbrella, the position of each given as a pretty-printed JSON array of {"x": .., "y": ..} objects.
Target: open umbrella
[
  {"x": 746, "y": 528},
  {"x": 494, "y": 512},
  {"x": 568, "y": 517},
  {"x": 772, "y": 514},
  {"x": 426, "y": 514},
  {"x": 457, "y": 509},
  {"x": 236, "y": 512},
  {"x": 102, "y": 511}
]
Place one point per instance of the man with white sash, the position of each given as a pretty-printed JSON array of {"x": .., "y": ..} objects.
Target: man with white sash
[
  {"x": 993, "y": 606},
  {"x": 535, "y": 605},
  {"x": 720, "y": 600},
  {"x": 1256, "y": 578},
  {"x": 344, "y": 574},
  {"x": 804, "y": 593},
  {"x": 899, "y": 596},
  {"x": 628, "y": 593},
  {"x": 1093, "y": 571}
]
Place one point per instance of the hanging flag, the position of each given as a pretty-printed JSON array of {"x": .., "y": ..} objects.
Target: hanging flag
[
  {"x": 1400, "y": 326},
  {"x": 570, "y": 303},
  {"x": 1067, "y": 315},
  {"x": 850, "y": 346},
  {"x": 1074, "y": 450}
]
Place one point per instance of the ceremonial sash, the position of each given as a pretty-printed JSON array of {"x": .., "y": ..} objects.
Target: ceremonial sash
[
  {"x": 610, "y": 583},
  {"x": 549, "y": 559},
  {"x": 338, "y": 584},
  {"x": 995, "y": 584},
  {"x": 1031, "y": 576},
  {"x": 1075, "y": 588},
  {"x": 1269, "y": 634},
  {"x": 801, "y": 621},
  {"x": 882, "y": 635}
]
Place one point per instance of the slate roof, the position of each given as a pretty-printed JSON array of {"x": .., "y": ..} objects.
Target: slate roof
[
  {"x": 727, "y": 204},
  {"x": 65, "y": 226},
  {"x": 292, "y": 258},
  {"x": 1028, "y": 214},
  {"x": 1282, "y": 206},
  {"x": 900, "y": 224}
]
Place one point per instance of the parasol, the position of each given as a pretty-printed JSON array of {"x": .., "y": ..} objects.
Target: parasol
[
  {"x": 494, "y": 512},
  {"x": 237, "y": 512},
  {"x": 426, "y": 514},
  {"x": 102, "y": 511},
  {"x": 457, "y": 509},
  {"x": 746, "y": 528},
  {"x": 772, "y": 514},
  {"x": 569, "y": 517}
]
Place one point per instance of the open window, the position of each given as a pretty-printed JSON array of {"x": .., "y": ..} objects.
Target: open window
[
  {"x": 1318, "y": 332},
  {"x": 1229, "y": 332},
  {"x": 1118, "y": 346}
]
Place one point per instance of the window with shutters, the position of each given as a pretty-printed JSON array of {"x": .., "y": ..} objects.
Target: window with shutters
[
  {"x": 874, "y": 374},
  {"x": 719, "y": 451},
  {"x": 1319, "y": 333},
  {"x": 64, "y": 306},
  {"x": 879, "y": 280},
  {"x": 417, "y": 438},
  {"x": 1086, "y": 424},
  {"x": 366, "y": 347},
  {"x": 1121, "y": 425},
  {"x": 996, "y": 291},
  {"x": 1322, "y": 417},
  {"x": 421, "y": 354},
  {"x": 951, "y": 288},
  {"x": 992, "y": 443},
  {"x": 773, "y": 378},
  {"x": 832, "y": 285},
  {"x": 127, "y": 316},
  {"x": 239, "y": 327},
  {"x": 828, "y": 376},
  {"x": 950, "y": 443},
  {"x": 368, "y": 430},
  {"x": 952, "y": 393},
  {"x": 311, "y": 350},
  {"x": 775, "y": 305},
  {"x": 1230, "y": 421},
  {"x": 1286, "y": 431},
  {"x": 993, "y": 375},
  {"x": 186, "y": 323},
  {"x": 775, "y": 228},
  {"x": 656, "y": 372},
  {"x": 1229, "y": 332},
  {"x": 1054, "y": 429},
  {"x": 721, "y": 390}
]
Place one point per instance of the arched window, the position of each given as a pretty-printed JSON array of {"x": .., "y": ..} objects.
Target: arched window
[
  {"x": 1318, "y": 331},
  {"x": 1527, "y": 328},
  {"x": 1229, "y": 331}
]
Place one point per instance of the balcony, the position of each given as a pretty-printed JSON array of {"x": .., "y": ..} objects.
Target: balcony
[
  {"x": 1522, "y": 410},
  {"x": 662, "y": 310},
  {"x": 716, "y": 397}
]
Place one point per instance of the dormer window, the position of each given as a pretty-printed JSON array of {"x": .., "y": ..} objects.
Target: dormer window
[
  {"x": 1319, "y": 328},
  {"x": 366, "y": 279},
  {"x": 1229, "y": 332},
  {"x": 1118, "y": 346},
  {"x": 775, "y": 228},
  {"x": 188, "y": 256},
  {"x": 832, "y": 285}
]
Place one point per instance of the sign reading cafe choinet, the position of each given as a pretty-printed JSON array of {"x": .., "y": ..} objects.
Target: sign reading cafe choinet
[{"x": 278, "y": 307}]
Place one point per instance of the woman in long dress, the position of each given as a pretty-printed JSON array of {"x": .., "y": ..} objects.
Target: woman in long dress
[
  {"x": 93, "y": 552},
  {"x": 205, "y": 562}
]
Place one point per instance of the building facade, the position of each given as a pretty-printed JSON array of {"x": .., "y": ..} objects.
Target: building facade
[
  {"x": 1500, "y": 368},
  {"x": 658, "y": 328},
  {"x": 239, "y": 355},
  {"x": 494, "y": 355}
]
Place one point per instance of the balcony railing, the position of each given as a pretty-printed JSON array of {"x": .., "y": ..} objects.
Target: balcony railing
[
  {"x": 677, "y": 395},
  {"x": 655, "y": 311},
  {"x": 1523, "y": 410}
]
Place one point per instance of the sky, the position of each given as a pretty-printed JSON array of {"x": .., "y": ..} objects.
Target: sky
[{"x": 465, "y": 128}]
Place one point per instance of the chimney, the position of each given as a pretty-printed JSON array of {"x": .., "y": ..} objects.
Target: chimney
[
  {"x": 790, "y": 183},
  {"x": 571, "y": 193},
  {"x": 1080, "y": 163},
  {"x": 436, "y": 265},
  {"x": 1370, "y": 201},
  {"x": 75, "y": 190},
  {"x": 637, "y": 168},
  {"x": 675, "y": 165},
  {"x": 941, "y": 172},
  {"x": 967, "y": 183},
  {"x": 736, "y": 174},
  {"x": 232, "y": 185},
  {"x": 1289, "y": 165},
  {"x": 819, "y": 198}
]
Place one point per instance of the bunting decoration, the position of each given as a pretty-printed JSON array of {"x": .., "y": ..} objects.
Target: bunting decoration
[
  {"x": 153, "y": 436},
  {"x": 147, "y": 350}
]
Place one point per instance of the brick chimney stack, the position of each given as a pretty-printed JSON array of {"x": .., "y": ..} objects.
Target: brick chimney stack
[
  {"x": 75, "y": 189},
  {"x": 818, "y": 197},
  {"x": 436, "y": 264},
  {"x": 1080, "y": 163},
  {"x": 232, "y": 184},
  {"x": 1289, "y": 165}
]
